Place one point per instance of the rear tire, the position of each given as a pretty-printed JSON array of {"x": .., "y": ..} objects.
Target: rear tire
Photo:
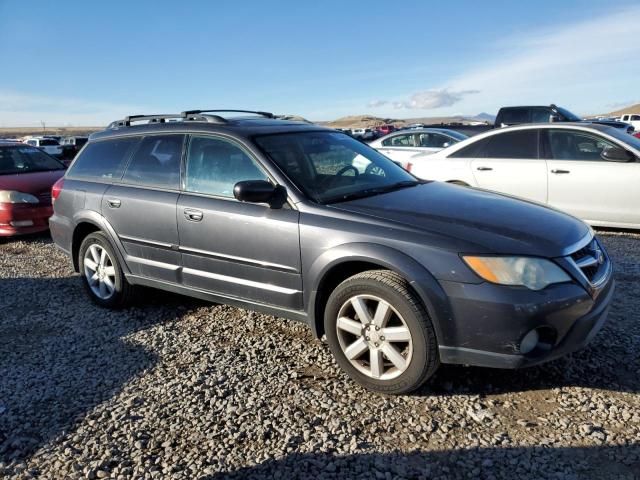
[
  {"x": 101, "y": 273},
  {"x": 380, "y": 333}
]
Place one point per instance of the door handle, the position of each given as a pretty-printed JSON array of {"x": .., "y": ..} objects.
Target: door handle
[
  {"x": 556, "y": 171},
  {"x": 114, "y": 202},
  {"x": 484, "y": 169},
  {"x": 193, "y": 215}
]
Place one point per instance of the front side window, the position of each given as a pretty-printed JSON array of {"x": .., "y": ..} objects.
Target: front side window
[
  {"x": 331, "y": 167},
  {"x": 103, "y": 159},
  {"x": 25, "y": 159},
  {"x": 215, "y": 165},
  {"x": 518, "y": 144},
  {"x": 400, "y": 141},
  {"x": 571, "y": 145},
  {"x": 156, "y": 162}
]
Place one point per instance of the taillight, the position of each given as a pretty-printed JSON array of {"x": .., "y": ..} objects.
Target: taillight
[
  {"x": 56, "y": 189},
  {"x": 409, "y": 166}
]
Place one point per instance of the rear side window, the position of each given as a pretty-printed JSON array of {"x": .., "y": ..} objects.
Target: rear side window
[
  {"x": 156, "y": 162},
  {"x": 519, "y": 144},
  {"x": 214, "y": 166},
  {"x": 540, "y": 115},
  {"x": 512, "y": 116},
  {"x": 48, "y": 143},
  {"x": 103, "y": 159}
]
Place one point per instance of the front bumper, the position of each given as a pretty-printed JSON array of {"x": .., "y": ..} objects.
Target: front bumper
[
  {"x": 489, "y": 322},
  {"x": 19, "y": 219}
]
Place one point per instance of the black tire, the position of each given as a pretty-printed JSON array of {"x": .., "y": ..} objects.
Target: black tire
[
  {"x": 395, "y": 290},
  {"x": 123, "y": 291}
]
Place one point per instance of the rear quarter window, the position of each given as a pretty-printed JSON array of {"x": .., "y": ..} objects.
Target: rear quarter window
[{"x": 104, "y": 159}]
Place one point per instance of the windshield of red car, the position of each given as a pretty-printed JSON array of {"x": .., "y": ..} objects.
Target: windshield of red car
[{"x": 25, "y": 159}]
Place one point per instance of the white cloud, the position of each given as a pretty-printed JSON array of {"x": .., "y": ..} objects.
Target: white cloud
[
  {"x": 586, "y": 62},
  {"x": 19, "y": 109},
  {"x": 426, "y": 99},
  {"x": 587, "y": 65},
  {"x": 377, "y": 103}
]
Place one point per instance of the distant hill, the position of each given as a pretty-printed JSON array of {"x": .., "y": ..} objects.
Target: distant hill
[
  {"x": 623, "y": 111},
  {"x": 369, "y": 121}
]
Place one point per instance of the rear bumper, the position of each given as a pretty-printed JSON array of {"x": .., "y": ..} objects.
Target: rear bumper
[
  {"x": 492, "y": 338},
  {"x": 17, "y": 219}
]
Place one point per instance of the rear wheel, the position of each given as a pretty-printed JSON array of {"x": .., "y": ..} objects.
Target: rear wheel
[
  {"x": 380, "y": 333},
  {"x": 101, "y": 273}
]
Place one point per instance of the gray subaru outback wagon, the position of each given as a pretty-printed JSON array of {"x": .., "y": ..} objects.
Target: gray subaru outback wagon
[{"x": 304, "y": 222}]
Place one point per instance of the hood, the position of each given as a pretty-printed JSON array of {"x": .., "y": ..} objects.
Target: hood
[
  {"x": 485, "y": 221},
  {"x": 33, "y": 183}
]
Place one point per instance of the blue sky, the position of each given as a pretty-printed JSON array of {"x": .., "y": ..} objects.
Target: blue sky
[{"x": 86, "y": 63}]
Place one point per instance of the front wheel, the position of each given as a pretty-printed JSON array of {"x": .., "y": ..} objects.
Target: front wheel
[{"x": 380, "y": 333}]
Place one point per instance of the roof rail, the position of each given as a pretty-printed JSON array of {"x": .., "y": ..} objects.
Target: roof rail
[
  {"x": 162, "y": 118},
  {"x": 195, "y": 112}
]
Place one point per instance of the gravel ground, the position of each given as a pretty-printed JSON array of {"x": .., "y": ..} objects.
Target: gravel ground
[{"x": 175, "y": 388}]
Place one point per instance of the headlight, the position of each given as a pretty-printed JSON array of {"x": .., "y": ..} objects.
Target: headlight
[
  {"x": 10, "y": 196},
  {"x": 533, "y": 273}
]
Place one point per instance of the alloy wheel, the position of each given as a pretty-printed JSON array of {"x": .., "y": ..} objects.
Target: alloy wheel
[
  {"x": 99, "y": 271},
  {"x": 374, "y": 337}
]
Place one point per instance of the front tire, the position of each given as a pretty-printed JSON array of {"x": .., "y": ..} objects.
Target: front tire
[
  {"x": 101, "y": 273},
  {"x": 380, "y": 333}
]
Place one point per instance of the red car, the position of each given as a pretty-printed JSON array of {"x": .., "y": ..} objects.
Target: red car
[
  {"x": 385, "y": 129},
  {"x": 26, "y": 177},
  {"x": 637, "y": 134}
]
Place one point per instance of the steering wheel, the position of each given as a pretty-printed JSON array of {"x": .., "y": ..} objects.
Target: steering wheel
[{"x": 345, "y": 169}]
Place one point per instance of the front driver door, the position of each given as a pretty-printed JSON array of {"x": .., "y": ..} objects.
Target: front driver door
[
  {"x": 241, "y": 250},
  {"x": 586, "y": 185},
  {"x": 509, "y": 162}
]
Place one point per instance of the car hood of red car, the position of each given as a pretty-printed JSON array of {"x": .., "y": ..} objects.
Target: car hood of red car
[{"x": 34, "y": 182}]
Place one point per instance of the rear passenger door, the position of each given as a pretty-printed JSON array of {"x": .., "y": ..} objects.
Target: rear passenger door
[
  {"x": 241, "y": 250},
  {"x": 141, "y": 208},
  {"x": 510, "y": 163}
]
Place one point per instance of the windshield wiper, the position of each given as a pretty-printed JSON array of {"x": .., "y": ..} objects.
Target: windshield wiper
[{"x": 369, "y": 192}]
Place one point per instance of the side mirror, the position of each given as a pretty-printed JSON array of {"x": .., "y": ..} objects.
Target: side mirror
[
  {"x": 554, "y": 118},
  {"x": 617, "y": 154},
  {"x": 260, "y": 191}
]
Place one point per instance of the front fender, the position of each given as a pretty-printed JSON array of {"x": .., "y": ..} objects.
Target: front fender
[{"x": 420, "y": 279}]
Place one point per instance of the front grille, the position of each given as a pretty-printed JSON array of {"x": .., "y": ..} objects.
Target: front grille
[{"x": 592, "y": 261}]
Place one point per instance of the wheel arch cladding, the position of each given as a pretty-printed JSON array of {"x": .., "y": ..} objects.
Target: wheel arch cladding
[
  {"x": 80, "y": 232},
  {"x": 339, "y": 263}
]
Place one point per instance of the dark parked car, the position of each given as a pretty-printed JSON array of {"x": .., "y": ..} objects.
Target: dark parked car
[
  {"x": 508, "y": 116},
  {"x": 26, "y": 177},
  {"x": 307, "y": 223},
  {"x": 71, "y": 146}
]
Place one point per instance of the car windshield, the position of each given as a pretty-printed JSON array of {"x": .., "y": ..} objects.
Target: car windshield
[
  {"x": 332, "y": 167},
  {"x": 48, "y": 142},
  {"x": 26, "y": 159},
  {"x": 571, "y": 117}
]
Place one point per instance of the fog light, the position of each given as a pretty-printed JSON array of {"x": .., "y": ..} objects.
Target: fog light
[{"x": 529, "y": 342}]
